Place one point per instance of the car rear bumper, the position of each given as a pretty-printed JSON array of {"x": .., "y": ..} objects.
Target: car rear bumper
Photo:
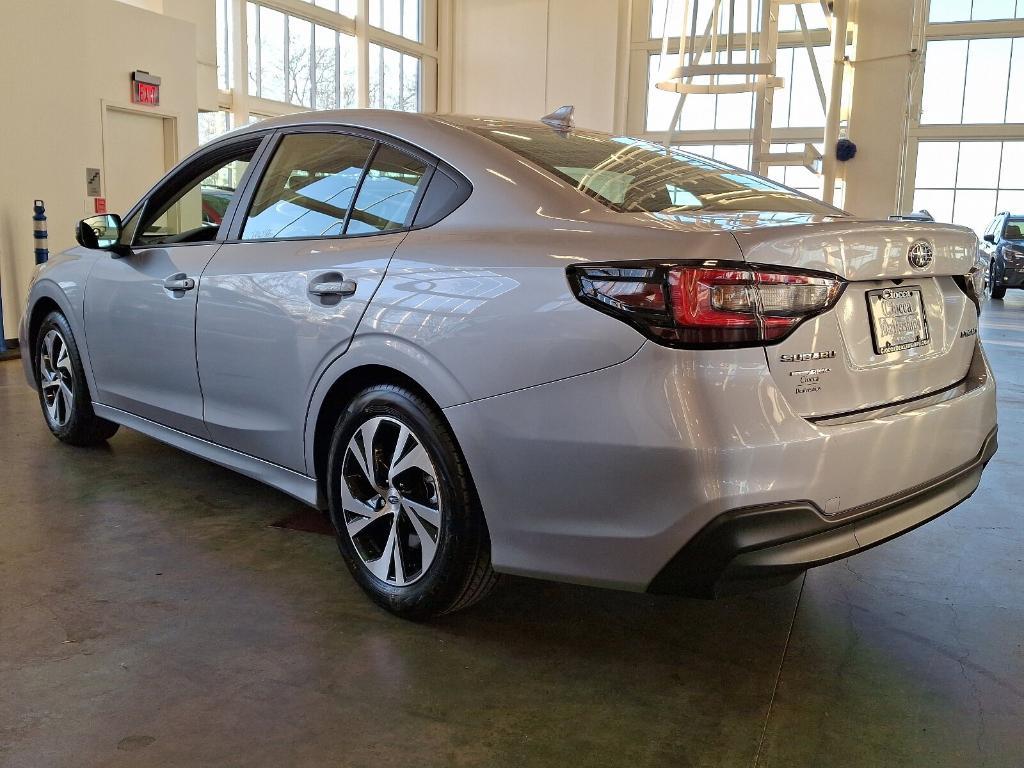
[
  {"x": 607, "y": 477},
  {"x": 760, "y": 546}
]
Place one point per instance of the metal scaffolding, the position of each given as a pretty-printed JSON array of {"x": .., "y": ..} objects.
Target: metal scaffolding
[{"x": 721, "y": 59}]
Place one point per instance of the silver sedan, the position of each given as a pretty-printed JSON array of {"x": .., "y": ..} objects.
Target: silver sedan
[{"x": 491, "y": 346}]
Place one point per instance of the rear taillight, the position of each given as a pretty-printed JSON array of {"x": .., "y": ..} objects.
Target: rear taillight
[
  {"x": 711, "y": 304},
  {"x": 973, "y": 286}
]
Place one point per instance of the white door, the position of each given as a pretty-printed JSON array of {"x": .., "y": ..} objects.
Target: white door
[{"x": 136, "y": 155}]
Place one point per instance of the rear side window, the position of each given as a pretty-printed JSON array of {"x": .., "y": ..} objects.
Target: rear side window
[
  {"x": 388, "y": 192},
  {"x": 442, "y": 196},
  {"x": 308, "y": 187},
  {"x": 628, "y": 174}
]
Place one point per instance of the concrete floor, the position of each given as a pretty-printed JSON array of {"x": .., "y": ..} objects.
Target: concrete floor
[{"x": 151, "y": 615}]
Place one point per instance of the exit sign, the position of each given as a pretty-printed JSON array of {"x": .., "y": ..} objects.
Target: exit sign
[{"x": 145, "y": 88}]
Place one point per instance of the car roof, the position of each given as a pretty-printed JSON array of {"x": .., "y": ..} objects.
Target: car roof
[
  {"x": 442, "y": 135},
  {"x": 410, "y": 126}
]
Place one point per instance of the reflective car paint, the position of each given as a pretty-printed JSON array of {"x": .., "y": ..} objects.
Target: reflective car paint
[
  {"x": 596, "y": 454},
  {"x": 263, "y": 339},
  {"x": 142, "y": 346},
  {"x": 626, "y": 464}
]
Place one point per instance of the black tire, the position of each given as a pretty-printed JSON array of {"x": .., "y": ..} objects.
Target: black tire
[
  {"x": 72, "y": 419},
  {"x": 459, "y": 573},
  {"x": 994, "y": 292}
]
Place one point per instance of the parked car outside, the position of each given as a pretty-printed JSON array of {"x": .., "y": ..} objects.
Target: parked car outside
[{"x": 1002, "y": 248}]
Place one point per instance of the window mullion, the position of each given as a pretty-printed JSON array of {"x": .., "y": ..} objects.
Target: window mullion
[
  {"x": 1009, "y": 76},
  {"x": 287, "y": 63},
  {"x": 337, "y": 69},
  {"x": 363, "y": 54}
]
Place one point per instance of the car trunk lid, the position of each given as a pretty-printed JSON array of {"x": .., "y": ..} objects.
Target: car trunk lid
[{"x": 899, "y": 330}]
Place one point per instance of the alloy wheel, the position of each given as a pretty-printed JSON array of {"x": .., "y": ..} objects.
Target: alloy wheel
[
  {"x": 391, "y": 507},
  {"x": 57, "y": 378}
]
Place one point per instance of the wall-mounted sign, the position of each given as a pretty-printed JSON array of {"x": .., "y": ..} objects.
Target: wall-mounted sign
[
  {"x": 145, "y": 88},
  {"x": 100, "y": 204},
  {"x": 93, "y": 187}
]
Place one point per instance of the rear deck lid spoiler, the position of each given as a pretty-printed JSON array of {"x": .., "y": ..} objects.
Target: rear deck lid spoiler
[{"x": 861, "y": 250}]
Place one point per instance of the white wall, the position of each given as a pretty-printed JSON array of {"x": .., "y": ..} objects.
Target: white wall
[
  {"x": 60, "y": 61},
  {"x": 202, "y": 14},
  {"x": 525, "y": 58}
]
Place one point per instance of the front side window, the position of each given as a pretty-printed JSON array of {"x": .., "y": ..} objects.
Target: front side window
[
  {"x": 387, "y": 194},
  {"x": 308, "y": 187},
  {"x": 1014, "y": 229},
  {"x": 628, "y": 174},
  {"x": 193, "y": 212}
]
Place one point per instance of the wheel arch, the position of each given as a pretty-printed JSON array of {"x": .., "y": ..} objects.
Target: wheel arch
[
  {"x": 41, "y": 308},
  {"x": 334, "y": 397}
]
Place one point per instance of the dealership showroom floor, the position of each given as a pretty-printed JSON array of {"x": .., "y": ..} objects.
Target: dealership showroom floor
[
  {"x": 569, "y": 288},
  {"x": 155, "y": 612}
]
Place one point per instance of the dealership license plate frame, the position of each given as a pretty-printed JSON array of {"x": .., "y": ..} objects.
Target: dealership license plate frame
[{"x": 877, "y": 300}]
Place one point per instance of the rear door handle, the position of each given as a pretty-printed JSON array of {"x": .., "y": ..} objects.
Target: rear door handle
[
  {"x": 179, "y": 283},
  {"x": 333, "y": 288}
]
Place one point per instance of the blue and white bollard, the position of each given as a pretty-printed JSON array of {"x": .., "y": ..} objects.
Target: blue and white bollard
[{"x": 39, "y": 231}]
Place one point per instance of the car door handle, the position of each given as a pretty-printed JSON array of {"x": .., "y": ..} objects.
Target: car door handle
[
  {"x": 179, "y": 283},
  {"x": 333, "y": 288}
]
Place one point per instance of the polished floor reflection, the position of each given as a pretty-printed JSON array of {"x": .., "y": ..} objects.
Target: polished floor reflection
[{"x": 152, "y": 614}]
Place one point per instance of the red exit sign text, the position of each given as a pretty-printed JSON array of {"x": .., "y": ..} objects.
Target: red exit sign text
[{"x": 145, "y": 88}]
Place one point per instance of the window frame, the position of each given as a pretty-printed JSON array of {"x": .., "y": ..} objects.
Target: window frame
[
  {"x": 186, "y": 171},
  {"x": 257, "y": 171},
  {"x": 965, "y": 131},
  {"x": 432, "y": 51}
]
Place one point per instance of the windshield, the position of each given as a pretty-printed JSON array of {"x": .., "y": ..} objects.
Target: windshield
[{"x": 628, "y": 174}]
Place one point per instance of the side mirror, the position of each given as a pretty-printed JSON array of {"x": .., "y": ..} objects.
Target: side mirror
[
  {"x": 989, "y": 238},
  {"x": 101, "y": 232}
]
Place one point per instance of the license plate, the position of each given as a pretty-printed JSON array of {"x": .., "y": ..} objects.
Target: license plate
[{"x": 898, "y": 319}]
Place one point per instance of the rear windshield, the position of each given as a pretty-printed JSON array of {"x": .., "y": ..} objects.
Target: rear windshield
[{"x": 629, "y": 174}]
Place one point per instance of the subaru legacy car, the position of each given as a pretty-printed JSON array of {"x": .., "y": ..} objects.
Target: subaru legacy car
[
  {"x": 490, "y": 346},
  {"x": 1002, "y": 251}
]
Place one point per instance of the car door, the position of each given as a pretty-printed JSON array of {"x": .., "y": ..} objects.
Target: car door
[
  {"x": 140, "y": 304},
  {"x": 281, "y": 299}
]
